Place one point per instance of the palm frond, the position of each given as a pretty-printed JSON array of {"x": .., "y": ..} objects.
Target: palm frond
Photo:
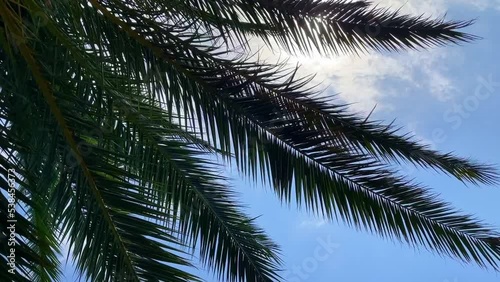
[
  {"x": 133, "y": 100},
  {"x": 329, "y": 27},
  {"x": 278, "y": 138}
]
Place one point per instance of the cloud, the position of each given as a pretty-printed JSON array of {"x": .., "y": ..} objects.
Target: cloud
[
  {"x": 366, "y": 80},
  {"x": 428, "y": 7}
]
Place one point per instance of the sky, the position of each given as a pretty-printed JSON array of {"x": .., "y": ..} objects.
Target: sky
[{"x": 448, "y": 97}]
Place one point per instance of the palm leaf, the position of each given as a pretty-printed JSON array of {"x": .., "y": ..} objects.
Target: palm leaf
[{"x": 128, "y": 102}]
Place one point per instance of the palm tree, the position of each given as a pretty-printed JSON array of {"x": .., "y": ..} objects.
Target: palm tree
[{"x": 114, "y": 115}]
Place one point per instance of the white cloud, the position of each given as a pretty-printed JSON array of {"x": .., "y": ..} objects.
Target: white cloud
[{"x": 429, "y": 7}]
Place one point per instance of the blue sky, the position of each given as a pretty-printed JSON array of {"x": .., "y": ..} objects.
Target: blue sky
[{"x": 435, "y": 95}]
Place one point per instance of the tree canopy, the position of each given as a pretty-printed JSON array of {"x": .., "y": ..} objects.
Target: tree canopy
[{"x": 111, "y": 113}]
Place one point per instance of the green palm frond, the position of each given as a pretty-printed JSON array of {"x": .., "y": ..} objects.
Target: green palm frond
[
  {"x": 125, "y": 104},
  {"x": 328, "y": 27},
  {"x": 35, "y": 253}
]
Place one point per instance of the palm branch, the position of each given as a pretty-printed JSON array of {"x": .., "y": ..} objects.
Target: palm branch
[{"x": 113, "y": 114}]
